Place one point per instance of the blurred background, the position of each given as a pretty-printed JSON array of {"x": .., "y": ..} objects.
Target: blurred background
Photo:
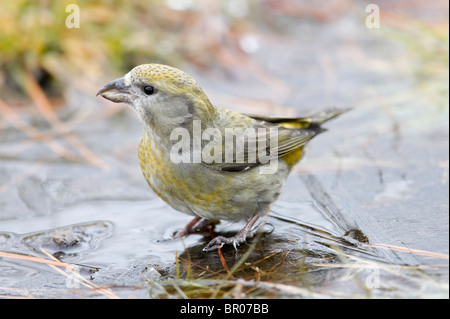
[{"x": 365, "y": 214}]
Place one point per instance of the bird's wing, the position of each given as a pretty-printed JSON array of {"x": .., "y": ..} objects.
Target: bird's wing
[
  {"x": 257, "y": 142},
  {"x": 313, "y": 121}
]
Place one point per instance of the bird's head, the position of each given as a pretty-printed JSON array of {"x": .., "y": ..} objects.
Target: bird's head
[{"x": 161, "y": 95}]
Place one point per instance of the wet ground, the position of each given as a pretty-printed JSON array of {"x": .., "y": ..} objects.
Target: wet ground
[{"x": 365, "y": 213}]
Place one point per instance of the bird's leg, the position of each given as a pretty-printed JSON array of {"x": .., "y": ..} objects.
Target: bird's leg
[
  {"x": 198, "y": 225},
  {"x": 188, "y": 228},
  {"x": 239, "y": 238}
]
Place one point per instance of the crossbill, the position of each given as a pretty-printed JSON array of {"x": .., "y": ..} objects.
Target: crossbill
[{"x": 210, "y": 176}]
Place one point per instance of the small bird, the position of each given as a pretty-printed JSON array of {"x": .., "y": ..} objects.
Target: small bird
[{"x": 207, "y": 161}]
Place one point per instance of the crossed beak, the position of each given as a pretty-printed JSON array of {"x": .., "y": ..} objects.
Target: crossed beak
[{"x": 116, "y": 91}]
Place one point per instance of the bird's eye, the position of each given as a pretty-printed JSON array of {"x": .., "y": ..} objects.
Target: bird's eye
[{"x": 149, "y": 90}]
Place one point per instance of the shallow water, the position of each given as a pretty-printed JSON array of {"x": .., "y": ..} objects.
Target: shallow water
[{"x": 364, "y": 214}]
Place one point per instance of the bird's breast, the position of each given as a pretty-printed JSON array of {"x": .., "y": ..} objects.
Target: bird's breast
[{"x": 195, "y": 189}]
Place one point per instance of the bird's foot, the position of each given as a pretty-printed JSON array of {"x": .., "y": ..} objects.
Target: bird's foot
[
  {"x": 236, "y": 240},
  {"x": 219, "y": 241},
  {"x": 199, "y": 226}
]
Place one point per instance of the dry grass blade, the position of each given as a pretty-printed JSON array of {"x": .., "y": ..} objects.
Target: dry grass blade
[
  {"x": 224, "y": 264},
  {"x": 178, "y": 289},
  {"x": 409, "y": 250},
  {"x": 33, "y": 259},
  {"x": 74, "y": 275},
  {"x": 35, "y": 134},
  {"x": 71, "y": 272}
]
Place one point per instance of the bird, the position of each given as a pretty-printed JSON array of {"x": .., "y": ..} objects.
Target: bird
[{"x": 205, "y": 160}]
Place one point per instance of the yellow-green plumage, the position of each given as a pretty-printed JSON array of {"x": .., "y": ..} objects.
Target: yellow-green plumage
[{"x": 212, "y": 190}]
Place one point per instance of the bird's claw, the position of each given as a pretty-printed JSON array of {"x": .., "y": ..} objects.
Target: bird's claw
[
  {"x": 219, "y": 241},
  {"x": 240, "y": 238}
]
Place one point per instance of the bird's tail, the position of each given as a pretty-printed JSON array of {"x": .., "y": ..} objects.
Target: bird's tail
[
  {"x": 313, "y": 121},
  {"x": 322, "y": 117}
]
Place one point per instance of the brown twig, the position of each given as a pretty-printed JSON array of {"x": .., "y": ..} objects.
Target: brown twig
[
  {"x": 43, "y": 104},
  {"x": 224, "y": 264}
]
